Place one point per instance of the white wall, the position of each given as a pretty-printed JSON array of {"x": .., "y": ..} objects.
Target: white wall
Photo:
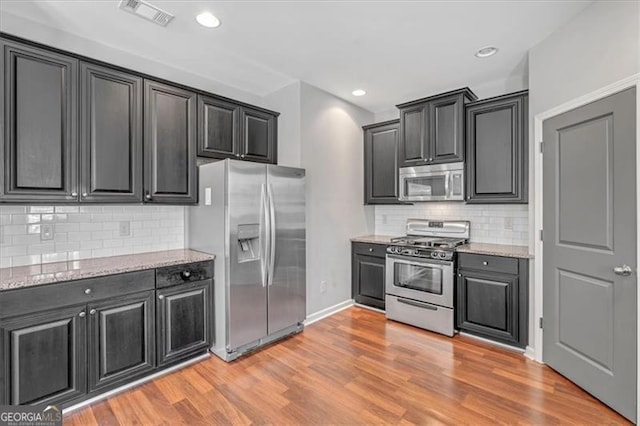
[
  {"x": 287, "y": 101},
  {"x": 332, "y": 154},
  {"x": 598, "y": 47}
]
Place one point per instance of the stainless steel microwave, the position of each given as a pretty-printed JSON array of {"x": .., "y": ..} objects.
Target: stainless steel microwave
[{"x": 437, "y": 182}]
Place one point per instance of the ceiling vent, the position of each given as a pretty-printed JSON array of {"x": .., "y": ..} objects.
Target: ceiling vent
[{"x": 147, "y": 11}]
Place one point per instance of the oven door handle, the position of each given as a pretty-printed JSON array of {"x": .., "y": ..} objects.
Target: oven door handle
[
  {"x": 417, "y": 304},
  {"x": 419, "y": 261}
]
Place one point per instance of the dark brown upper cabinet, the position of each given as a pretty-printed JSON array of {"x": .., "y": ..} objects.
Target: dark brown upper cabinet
[
  {"x": 170, "y": 144},
  {"x": 218, "y": 123},
  {"x": 39, "y": 120},
  {"x": 381, "y": 163},
  {"x": 258, "y": 135},
  {"x": 497, "y": 150},
  {"x": 432, "y": 129},
  {"x": 232, "y": 130},
  {"x": 110, "y": 135}
]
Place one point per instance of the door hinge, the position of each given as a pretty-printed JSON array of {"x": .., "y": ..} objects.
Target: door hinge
[
  {"x": 541, "y": 146},
  {"x": 541, "y": 323},
  {"x": 541, "y": 233}
]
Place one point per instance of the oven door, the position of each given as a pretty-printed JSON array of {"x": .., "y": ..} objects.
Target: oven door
[{"x": 420, "y": 279}]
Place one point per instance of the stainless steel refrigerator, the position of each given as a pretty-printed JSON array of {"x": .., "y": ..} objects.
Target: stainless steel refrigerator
[{"x": 252, "y": 217}]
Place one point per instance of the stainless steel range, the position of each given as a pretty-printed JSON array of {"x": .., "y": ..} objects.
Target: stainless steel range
[{"x": 420, "y": 272}]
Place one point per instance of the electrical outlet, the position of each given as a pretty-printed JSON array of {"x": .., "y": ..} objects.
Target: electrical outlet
[
  {"x": 384, "y": 219},
  {"x": 508, "y": 223},
  {"x": 323, "y": 286},
  {"x": 124, "y": 230},
  {"x": 46, "y": 232}
]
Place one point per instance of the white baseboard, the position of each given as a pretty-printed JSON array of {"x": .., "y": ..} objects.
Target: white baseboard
[
  {"x": 134, "y": 384},
  {"x": 502, "y": 345},
  {"x": 317, "y": 316},
  {"x": 371, "y": 308},
  {"x": 530, "y": 353}
]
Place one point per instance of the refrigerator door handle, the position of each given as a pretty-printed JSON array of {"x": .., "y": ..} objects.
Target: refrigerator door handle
[
  {"x": 264, "y": 235},
  {"x": 272, "y": 236}
]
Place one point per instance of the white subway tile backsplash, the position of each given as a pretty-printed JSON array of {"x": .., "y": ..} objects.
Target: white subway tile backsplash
[
  {"x": 84, "y": 232},
  {"x": 488, "y": 224}
]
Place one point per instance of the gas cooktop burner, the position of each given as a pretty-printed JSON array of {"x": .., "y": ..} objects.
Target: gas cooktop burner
[
  {"x": 429, "y": 242},
  {"x": 429, "y": 238}
]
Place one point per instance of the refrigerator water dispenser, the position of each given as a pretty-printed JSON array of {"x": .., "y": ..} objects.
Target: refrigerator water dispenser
[{"x": 248, "y": 242}]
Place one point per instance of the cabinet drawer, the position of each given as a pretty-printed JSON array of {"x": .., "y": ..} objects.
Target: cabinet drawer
[
  {"x": 50, "y": 296},
  {"x": 376, "y": 250},
  {"x": 482, "y": 262},
  {"x": 180, "y": 274}
]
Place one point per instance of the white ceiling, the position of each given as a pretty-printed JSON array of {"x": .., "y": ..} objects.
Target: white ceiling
[{"x": 395, "y": 50}]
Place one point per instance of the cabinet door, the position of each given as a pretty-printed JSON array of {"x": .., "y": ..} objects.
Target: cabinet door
[
  {"x": 39, "y": 107},
  {"x": 170, "y": 144},
  {"x": 217, "y": 128},
  {"x": 413, "y": 138},
  {"x": 381, "y": 164},
  {"x": 44, "y": 357},
  {"x": 184, "y": 320},
  {"x": 368, "y": 280},
  {"x": 258, "y": 134},
  {"x": 111, "y": 135},
  {"x": 497, "y": 150},
  {"x": 446, "y": 127},
  {"x": 121, "y": 339},
  {"x": 488, "y": 305}
]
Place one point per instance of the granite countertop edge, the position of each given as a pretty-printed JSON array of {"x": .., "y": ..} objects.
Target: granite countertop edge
[
  {"x": 504, "y": 250},
  {"x": 52, "y": 273}
]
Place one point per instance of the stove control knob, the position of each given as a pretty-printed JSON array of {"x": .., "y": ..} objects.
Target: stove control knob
[
  {"x": 434, "y": 254},
  {"x": 442, "y": 255},
  {"x": 415, "y": 252}
]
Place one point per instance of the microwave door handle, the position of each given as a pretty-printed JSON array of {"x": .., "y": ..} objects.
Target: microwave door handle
[{"x": 447, "y": 185}]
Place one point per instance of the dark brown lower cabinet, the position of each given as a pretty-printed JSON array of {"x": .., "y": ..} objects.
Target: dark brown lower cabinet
[
  {"x": 121, "y": 339},
  {"x": 367, "y": 274},
  {"x": 43, "y": 357},
  {"x": 492, "y": 298},
  {"x": 184, "y": 320}
]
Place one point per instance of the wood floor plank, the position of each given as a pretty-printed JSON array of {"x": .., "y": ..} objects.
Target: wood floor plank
[{"x": 356, "y": 367}]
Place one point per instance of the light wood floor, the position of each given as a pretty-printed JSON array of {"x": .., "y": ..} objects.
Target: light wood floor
[{"x": 356, "y": 367}]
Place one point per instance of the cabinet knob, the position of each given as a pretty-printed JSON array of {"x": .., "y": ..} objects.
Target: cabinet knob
[
  {"x": 84, "y": 194},
  {"x": 459, "y": 275},
  {"x": 242, "y": 156},
  {"x": 148, "y": 196},
  {"x": 161, "y": 297},
  {"x": 485, "y": 263},
  {"x": 430, "y": 158},
  {"x": 87, "y": 291},
  {"x": 74, "y": 194},
  {"x": 238, "y": 155},
  {"x": 82, "y": 314},
  {"x": 92, "y": 312},
  {"x": 186, "y": 274}
]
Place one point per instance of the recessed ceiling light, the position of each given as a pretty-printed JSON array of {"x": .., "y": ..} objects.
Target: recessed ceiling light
[
  {"x": 207, "y": 19},
  {"x": 358, "y": 92},
  {"x": 485, "y": 52}
]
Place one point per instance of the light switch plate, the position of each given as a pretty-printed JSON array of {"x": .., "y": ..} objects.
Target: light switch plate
[{"x": 46, "y": 232}]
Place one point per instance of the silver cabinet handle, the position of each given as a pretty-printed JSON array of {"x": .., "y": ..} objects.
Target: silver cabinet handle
[
  {"x": 82, "y": 314},
  {"x": 92, "y": 312},
  {"x": 186, "y": 274},
  {"x": 430, "y": 158},
  {"x": 238, "y": 155},
  {"x": 485, "y": 263},
  {"x": 242, "y": 156},
  {"x": 161, "y": 297},
  {"x": 371, "y": 250},
  {"x": 87, "y": 291},
  {"x": 84, "y": 194},
  {"x": 148, "y": 196},
  {"x": 74, "y": 194},
  {"x": 623, "y": 270}
]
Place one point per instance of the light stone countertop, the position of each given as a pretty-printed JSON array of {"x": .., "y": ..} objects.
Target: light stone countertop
[
  {"x": 48, "y": 273},
  {"x": 496, "y": 250},
  {"x": 373, "y": 239}
]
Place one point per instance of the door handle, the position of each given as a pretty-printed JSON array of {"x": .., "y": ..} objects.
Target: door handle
[
  {"x": 623, "y": 270},
  {"x": 272, "y": 236}
]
